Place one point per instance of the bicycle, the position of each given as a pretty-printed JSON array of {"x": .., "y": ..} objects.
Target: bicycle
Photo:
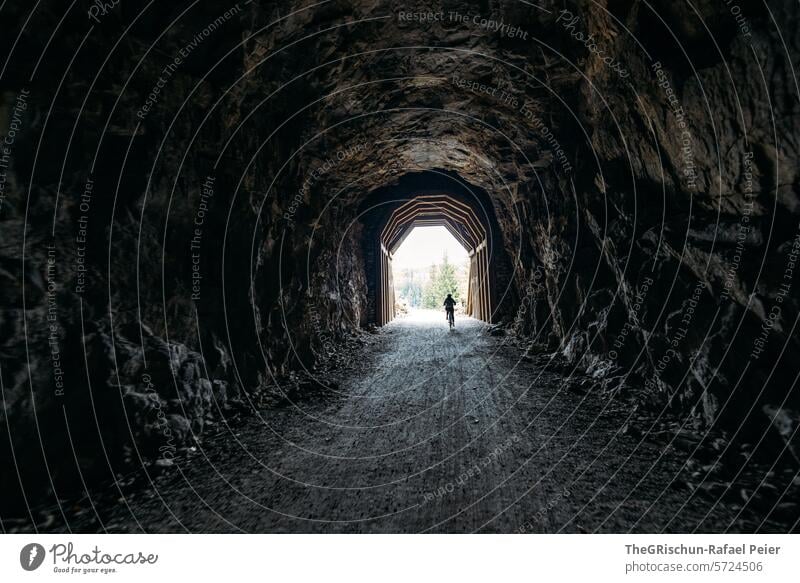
[{"x": 451, "y": 318}]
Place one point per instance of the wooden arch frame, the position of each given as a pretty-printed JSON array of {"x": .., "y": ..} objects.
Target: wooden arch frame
[{"x": 462, "y": 222}]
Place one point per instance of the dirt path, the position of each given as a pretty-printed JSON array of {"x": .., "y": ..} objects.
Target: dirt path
[{"x": 443, "y": 432}]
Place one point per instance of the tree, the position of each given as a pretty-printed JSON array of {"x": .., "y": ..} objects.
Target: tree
[
  {"x": 410, "y": 290},
  {"x": 448, "y": 281},
  {"x": 429, "y": 292},
  {"x": 442, "y": 281}
]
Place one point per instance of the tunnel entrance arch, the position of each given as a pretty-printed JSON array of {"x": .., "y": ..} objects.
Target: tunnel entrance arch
[
  {"x": 460, "y": 220},
  {"x": 434, "y": 199}
]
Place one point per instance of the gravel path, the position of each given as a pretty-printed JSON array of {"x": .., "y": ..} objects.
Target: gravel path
[{"x": 438, "y": 432}]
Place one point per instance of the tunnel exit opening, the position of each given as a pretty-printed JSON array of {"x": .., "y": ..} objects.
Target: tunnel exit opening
[
  {"x": 463, "y": 224},
  {"x": 429, "y": 264}
]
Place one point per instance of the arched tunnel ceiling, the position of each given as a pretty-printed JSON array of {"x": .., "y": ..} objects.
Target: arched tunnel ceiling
[
  {"x": 443, "y": 210},
  {"x": 422, "y": 98}
]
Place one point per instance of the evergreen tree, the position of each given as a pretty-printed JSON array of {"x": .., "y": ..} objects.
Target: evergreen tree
[
  {"x": 411, "y": 290},
  {"x": 429, "y": 293},
  {"x": 447, "y": 281},
  {"x": 443, "y": 280}
]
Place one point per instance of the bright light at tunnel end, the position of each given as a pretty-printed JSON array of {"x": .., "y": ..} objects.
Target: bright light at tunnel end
[{"x": 427, "y": 245}]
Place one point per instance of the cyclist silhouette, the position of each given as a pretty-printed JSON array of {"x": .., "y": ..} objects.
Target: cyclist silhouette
[{"x": 449, "y": 308}]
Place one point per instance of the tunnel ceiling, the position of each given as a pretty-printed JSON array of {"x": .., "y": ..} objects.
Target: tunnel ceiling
[
  {"x": 426, "y": 210},
  {"x": 406, "y": 101}
]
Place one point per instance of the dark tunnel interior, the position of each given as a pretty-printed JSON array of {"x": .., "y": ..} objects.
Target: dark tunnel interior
[{"x": 201, "y": 201}]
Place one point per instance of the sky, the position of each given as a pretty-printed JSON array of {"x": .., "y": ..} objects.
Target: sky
[{"x": 426, "y": 245}]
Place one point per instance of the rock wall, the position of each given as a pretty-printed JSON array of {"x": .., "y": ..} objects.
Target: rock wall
[{"x": 680, "y": 274}]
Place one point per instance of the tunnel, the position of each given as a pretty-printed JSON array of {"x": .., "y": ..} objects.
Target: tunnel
[
  {"x": 431, "y": 199},
  {"x": 201, "y": 203}
]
